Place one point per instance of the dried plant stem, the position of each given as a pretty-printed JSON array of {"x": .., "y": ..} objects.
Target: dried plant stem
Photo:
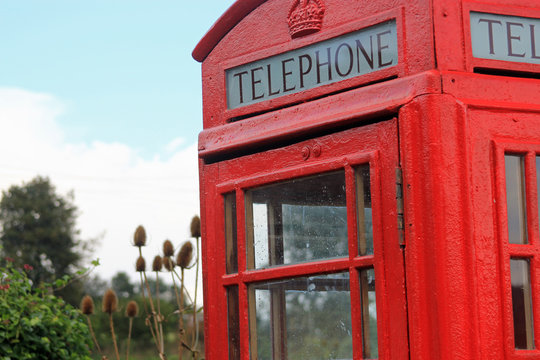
[
  {"x": 189, "y": 298},
  {"x": 143, "y": 296},
  {"x": 155, "y": 316},
  {"x": 149, "y": 324},
  {"x": 156, "y": 342},
  {"x": 181, "y": 321},
  {"x": 159, "y": 334},
  {"x": 192, "y": 350},
  {"x": 157, "y": 293},
  {"x": 179, "y": 300},
  {"x": 129, "y": 337},
  {"x": 93, "y": 334},
  {"x": 195, "y": 322},
  {"x": 111, "y": 325},
  {"x": 159, "y": 313}
]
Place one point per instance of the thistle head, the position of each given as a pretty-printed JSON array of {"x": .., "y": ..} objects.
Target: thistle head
[
  {"x": 157, "y": 264},
  {"x": 184, "y": 255},
  {"x": 195, "y": 227},
  {"x": 140, "y": 265},
  {"x": 87, "y": 305},
  {"x": 132, "y": 309},
  {"x": 110, "y": 302},
  {"x": 168, "y": 263},
  {"x": 168, "y": 249},
  {"x": 139, "y": 238}
]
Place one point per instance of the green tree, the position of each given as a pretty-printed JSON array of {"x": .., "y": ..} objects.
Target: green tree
[
  {"x": 38, "y": 228},
  {"x": 122, "y": 285},
  {"x": 95, "y": 286}
]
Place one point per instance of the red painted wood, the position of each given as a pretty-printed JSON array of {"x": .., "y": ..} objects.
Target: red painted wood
[
  {"x": 250, "y": 36},
  {"x": 496, "y": 131},
  {"x": 375, "y": 144},
  {"x": 446, "y": 117},
  {"x": 439, "y": 229},
  {"x": 223, "y": 25},
  {"x": 356, "y": 107}
]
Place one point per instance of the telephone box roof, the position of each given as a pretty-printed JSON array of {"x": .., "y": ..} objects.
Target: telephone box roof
[{"x": 237, "y": 11}]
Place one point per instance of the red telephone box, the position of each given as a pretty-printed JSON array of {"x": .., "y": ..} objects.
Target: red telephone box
[{"x": 370, "y": 180}]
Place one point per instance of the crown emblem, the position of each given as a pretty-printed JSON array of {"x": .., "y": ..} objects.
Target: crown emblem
[{"x": 305, "y": 17}]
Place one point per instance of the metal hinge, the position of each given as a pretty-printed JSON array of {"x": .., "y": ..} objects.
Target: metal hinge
[{"x": 399, "y": 204}]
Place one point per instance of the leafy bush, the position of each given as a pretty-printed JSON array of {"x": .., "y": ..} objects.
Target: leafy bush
[{"x": 34, "y": 324}]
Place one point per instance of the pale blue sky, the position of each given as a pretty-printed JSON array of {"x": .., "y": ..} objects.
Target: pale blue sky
[
  {"x": 122, "y": 68},
  {"x": 91, "y": 94}
]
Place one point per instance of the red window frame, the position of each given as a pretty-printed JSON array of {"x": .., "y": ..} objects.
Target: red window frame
[
  {"x": 508, "y": 251},
  {"x": 473, "y": 63},
  {"x": 376, "y": 145}
]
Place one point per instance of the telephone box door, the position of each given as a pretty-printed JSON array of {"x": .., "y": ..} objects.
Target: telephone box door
[
  {"x": 309, "y": 250},
  {"x": 506, "y": 145}
]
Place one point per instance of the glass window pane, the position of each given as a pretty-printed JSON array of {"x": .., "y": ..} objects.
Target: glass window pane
[
  {"x": 369, "y": 314},
  {"x": 522, "y": 304},
  {"x": 233, "y": 322},
  {"x": 515, "y": 198},
  {"x": 364, "y": 211},
  {"x": 297, "y": 221},
  {"x": 303, "y": 318},
  {"x": 231, "y": 233}
]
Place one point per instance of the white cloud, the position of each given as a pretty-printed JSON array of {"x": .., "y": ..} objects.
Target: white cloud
[
  {"x": 115, "y": 189},
  {"x": 174, "y": 144}
]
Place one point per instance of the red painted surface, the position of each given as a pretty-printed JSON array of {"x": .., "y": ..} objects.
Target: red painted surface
[{"x": 444, "y": 116}]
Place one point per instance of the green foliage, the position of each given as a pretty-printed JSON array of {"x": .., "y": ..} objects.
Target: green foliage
[
  {"x": 142, "y": 346},
  {"x": 38, "y": 228},
  {"x": 37, "y": 325},
  {"x": 141, "y": 339}
]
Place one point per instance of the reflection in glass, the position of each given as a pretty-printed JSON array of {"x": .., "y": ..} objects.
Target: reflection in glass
[
  {"x": 302, "y": 318},
  {"x": 364, "y": 211},
  {"x": 522, "y": 304},
  {"x": 233, "y": 322},
  {"x": 369, "y": 314},
  {"x": 297, "y": 221},
  {"x": 231, "y": 233},
  {"x": 515, "y": 199}
]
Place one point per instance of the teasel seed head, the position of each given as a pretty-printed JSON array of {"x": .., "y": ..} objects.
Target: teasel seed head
[
  {"x": 168, "y": 263},
  {"x": 139, "y": 238},
  {"x": 184, "y": 255},
  {"x": 132, "y": 309},
  {"x": 110, "y": 302},
  {"x": 87, "y": 305},
  {"x": 195, "y": 227},
  {"x": 157, "y": 264},
  {"x": 140, "y": 265},
  {"x": 168, "y": 249}
]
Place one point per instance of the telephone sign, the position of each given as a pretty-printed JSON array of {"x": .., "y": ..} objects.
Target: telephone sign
[
  {"x": 354, "y": 54},
  {"x": 507, "y": 38}
]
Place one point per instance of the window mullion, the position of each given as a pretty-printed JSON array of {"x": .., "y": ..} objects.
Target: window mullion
[
  {"x": 246, "y": 310},
  {"x": 522, "y": 246},
  {"x": 532, "y": 162},
  {"x": 352, "y": 211},
  {"x": 356, "y": 314},
  {"x": 531, "y": 198},
  {"x": 246, "y": 252}
]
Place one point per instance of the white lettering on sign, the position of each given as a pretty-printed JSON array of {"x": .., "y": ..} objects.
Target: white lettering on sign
[
  {"x": 354, "y": 54},
  {"x": 508, "y": 38}
]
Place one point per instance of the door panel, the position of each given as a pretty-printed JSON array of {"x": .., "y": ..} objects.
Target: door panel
[
  {"x": 507, "y": 147},
  {"x": 308, "y": 252}
]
